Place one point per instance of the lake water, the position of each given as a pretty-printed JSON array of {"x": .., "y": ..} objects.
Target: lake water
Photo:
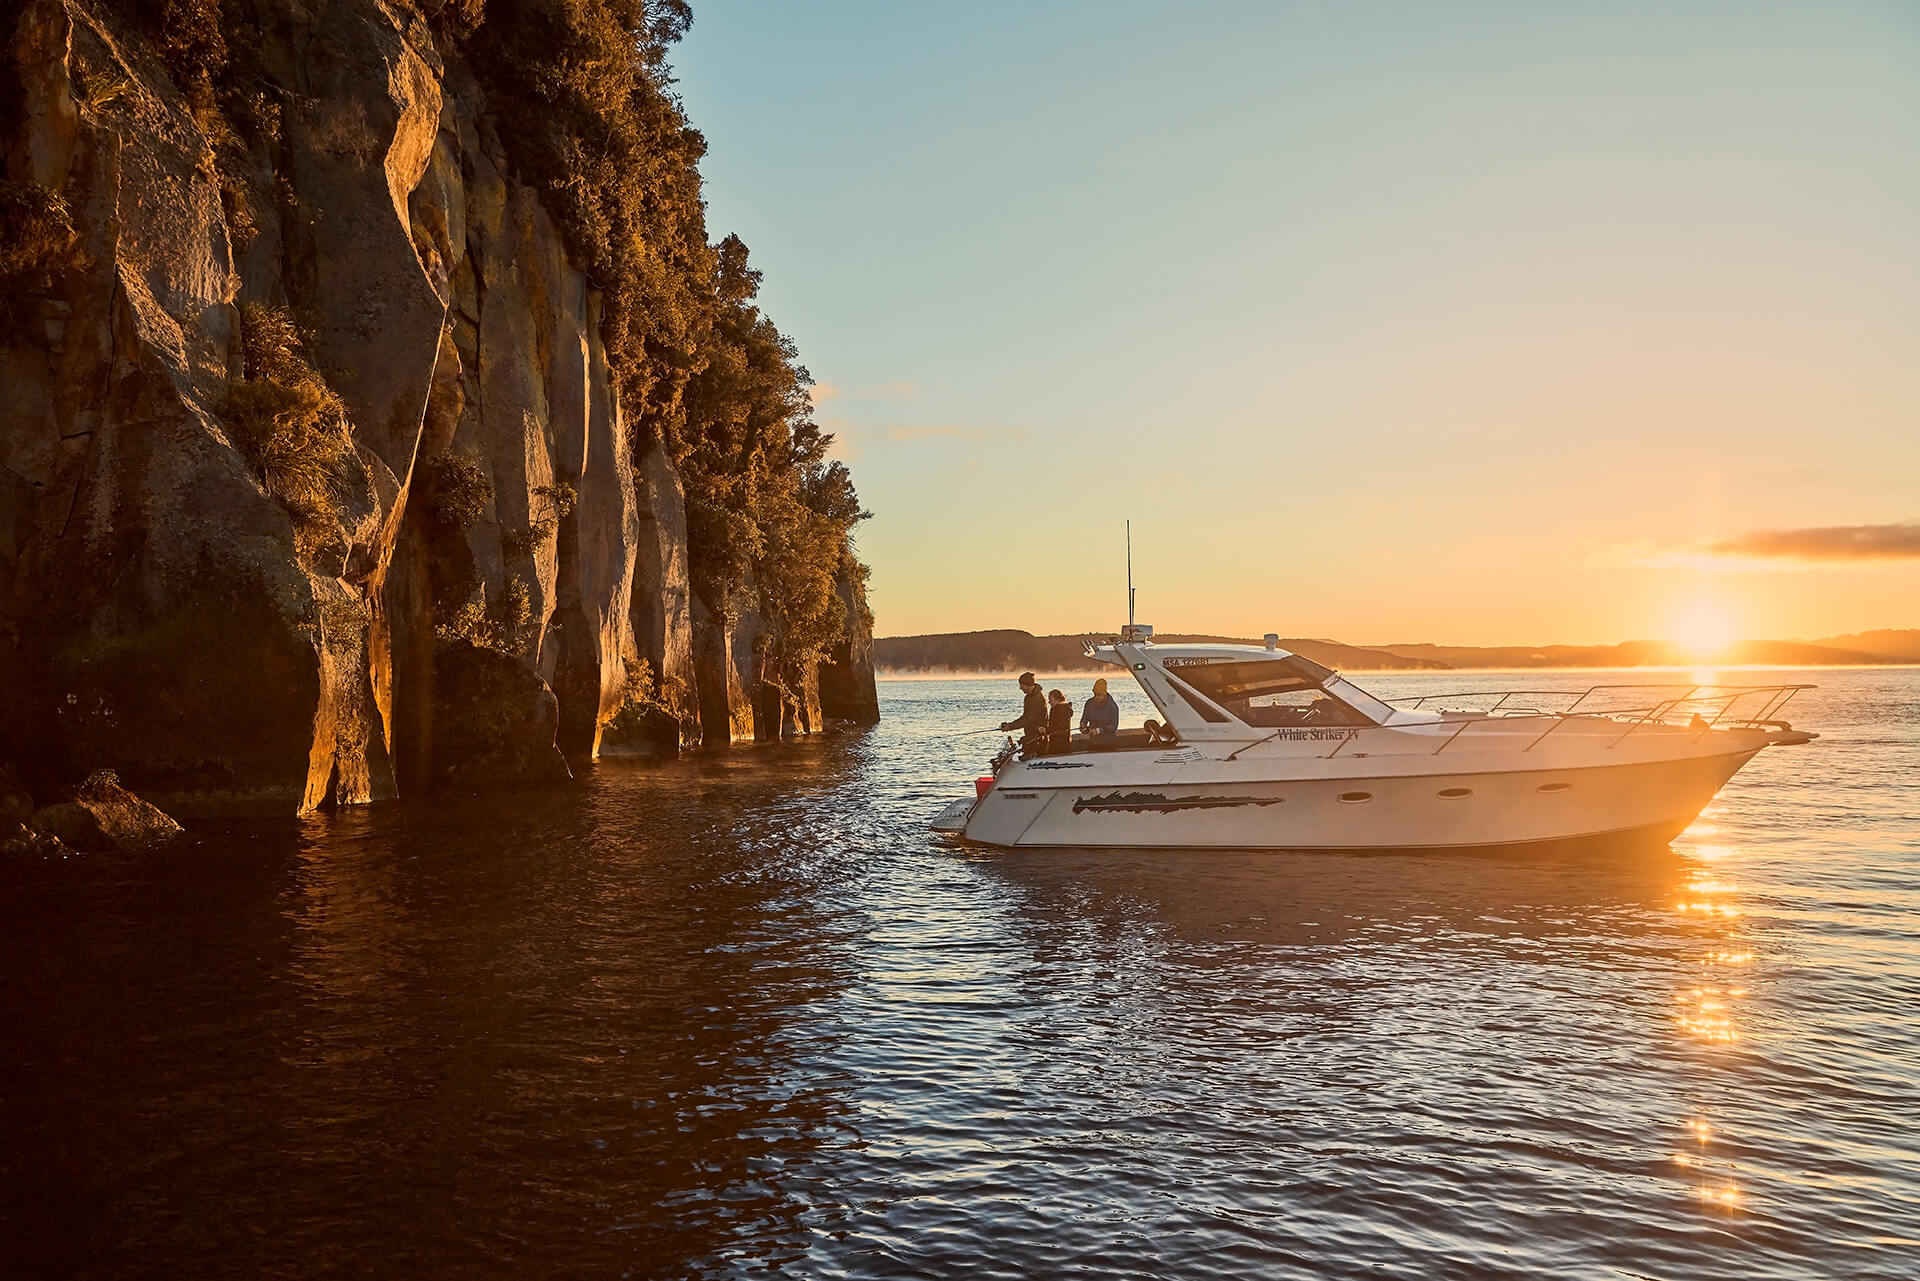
[{"x": 741, "y": 1016}]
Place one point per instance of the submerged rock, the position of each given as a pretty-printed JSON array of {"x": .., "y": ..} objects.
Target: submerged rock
[
  {"x": 641, "y": 729},
  {"x": 105, "y": 816},
  {"x": 16, "y": 840},
  {"x": 16, "y": 808}
]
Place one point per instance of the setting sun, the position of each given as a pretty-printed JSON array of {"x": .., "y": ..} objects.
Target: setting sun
[{"x": 1704, "y": 627}]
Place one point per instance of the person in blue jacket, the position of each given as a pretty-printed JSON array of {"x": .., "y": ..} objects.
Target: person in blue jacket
[{"x": 1100, "y": 718}]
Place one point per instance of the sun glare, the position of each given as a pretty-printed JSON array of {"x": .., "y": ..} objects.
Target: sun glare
[{"x": 1703, "y": 627}]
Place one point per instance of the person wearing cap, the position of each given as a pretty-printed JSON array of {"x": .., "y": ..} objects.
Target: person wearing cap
[
  {"x": 1100, "y": 718},
  {"x": 1032, "y": 721}
]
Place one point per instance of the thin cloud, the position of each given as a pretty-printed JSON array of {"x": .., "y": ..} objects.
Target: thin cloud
[
  {"x": 1826, "y": 544},
  {"x": 823, "y": 392},
  {"x": 1773, "y": 549}
]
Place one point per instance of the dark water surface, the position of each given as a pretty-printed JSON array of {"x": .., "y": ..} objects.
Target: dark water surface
[{"x": 738, "y": 1016}]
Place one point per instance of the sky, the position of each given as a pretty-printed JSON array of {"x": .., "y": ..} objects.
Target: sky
[{"x": 1477, "y": 323}]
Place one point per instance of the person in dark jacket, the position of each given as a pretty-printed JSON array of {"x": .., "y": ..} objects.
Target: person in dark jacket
[
  {"x": 1059, "y": 724},
  {"x": 1032, "y": 721}
]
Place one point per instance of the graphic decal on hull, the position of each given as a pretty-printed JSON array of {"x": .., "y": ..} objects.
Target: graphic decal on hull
[
  {"x": 1160, "y": 803},
  {"x": 1059, "y": 765}
]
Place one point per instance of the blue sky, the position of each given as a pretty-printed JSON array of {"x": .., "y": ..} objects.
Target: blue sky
[{"x": 1470, "y": 323}]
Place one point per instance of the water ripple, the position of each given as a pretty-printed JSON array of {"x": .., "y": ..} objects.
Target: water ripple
[{"x": 741, "y": 1016}]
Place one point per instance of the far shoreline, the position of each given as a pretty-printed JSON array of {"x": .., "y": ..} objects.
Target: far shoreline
[
  {"x": 1014, "y": 673},
  {"x": 1012, "y": 650}
]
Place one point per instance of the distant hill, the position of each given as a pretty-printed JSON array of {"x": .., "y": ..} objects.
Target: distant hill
[
  {"x": 1895, "y": 643},
  {"x": 1008, "y": 650},
  {"x": 1016, "y": 651},
  {"x": 1645, "y": 653},
  {"x": 1348, "y": 658}
]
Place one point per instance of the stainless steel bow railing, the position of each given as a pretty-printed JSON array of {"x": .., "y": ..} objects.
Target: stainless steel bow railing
[{"x": 1694, "y": 703}]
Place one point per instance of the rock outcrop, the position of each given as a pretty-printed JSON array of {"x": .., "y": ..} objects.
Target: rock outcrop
[
  {"x": 662, "y": 612},
  {"x": 104, "y": 816},
  {"x": 499, "y": 722},
  {"x": 723, "y": 671},
  {"x": 315, "y": 485},
  {"x": 847, "y": 689},
  {"x": 16, "y": 808}
]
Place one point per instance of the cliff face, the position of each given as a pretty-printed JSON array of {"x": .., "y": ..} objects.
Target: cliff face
[{"x": 314, "y": 482}]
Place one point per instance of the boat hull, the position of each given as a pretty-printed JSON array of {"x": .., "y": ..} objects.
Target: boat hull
[{"x": 1470, "y": 809}]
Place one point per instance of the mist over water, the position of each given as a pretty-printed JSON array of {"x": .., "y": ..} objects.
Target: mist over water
[{"x": 738, "y": 1015}]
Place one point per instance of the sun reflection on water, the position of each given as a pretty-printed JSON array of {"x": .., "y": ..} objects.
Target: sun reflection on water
[
  {"x": 1707, "y": 1008},
  {"x": 1707, "y": 1013},
  {"x": 1716, "y": 1188}
]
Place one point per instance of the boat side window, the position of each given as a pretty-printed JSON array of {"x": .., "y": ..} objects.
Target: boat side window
[
  {"x": 1307, "y": 708},
  {"x": 1200, "y": 708},
  {"x": 1271, "y": 694},
  {"x": 1307, "y": 667}
]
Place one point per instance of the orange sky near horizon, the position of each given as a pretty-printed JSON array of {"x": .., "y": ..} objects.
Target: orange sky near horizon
[{"x": 1481, "y": 324}]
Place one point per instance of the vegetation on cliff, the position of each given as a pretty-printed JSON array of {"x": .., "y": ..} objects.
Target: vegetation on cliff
[
  {"x": 284, "y": 417},
  {"x": 366, "y": 359},
  {"x": 582, "y": 97},
  {"x": 36, "y": 240},
  {"x": 36, "y": 234},
  {"x": 586, "y": 108}
]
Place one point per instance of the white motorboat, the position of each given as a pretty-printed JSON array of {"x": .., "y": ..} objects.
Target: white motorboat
[{"x": 1275, "y": 751}]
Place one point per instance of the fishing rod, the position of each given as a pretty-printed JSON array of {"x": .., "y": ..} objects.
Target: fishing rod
[{"x": 962, "y": 733}]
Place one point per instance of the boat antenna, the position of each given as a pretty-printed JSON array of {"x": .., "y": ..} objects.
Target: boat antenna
[{"x": 1129, "y": 575}]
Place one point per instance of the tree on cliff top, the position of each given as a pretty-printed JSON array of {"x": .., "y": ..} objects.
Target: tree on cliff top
[
  {"x": 761, "y": 492},
  {"x": 588, "y": 115},
  {"x": 585, "y": 109}
]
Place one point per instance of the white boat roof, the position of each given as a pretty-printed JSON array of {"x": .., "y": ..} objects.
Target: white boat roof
[
  {"x": 1108, "y": 651},
  {"x": 1195, "y": 717},
  {"x": 1217, "y": 651}
]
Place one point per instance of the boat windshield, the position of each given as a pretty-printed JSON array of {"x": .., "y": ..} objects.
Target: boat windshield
[{"x": 1271, "y": 692}]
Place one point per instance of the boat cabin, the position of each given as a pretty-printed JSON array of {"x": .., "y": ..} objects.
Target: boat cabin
[{"x": 1239, "y": 693}]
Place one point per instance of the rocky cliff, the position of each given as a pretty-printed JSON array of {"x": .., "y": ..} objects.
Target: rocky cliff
[{"x": 316, "y": 483}]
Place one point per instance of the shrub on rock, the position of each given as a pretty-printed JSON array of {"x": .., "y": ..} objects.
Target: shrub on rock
[
  {"x": 285, "y": 418},
  {"x": 454, "y": 489},
  {"x": 36, "y": 235},
  {"x": 495, "y": 722}
]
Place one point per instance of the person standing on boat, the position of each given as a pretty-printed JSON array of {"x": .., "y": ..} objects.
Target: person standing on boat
[
  {"x": 1059, "y": 724},
  {"x": 1100, "y": 718},
  {"x": 1032, "y": 721}
]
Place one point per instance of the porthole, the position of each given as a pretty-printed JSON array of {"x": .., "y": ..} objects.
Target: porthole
[
  {"x": 1553, "y": 787},
  {"x": 1454, "y": 793},
  {"x": 1356, "y": 798}
]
